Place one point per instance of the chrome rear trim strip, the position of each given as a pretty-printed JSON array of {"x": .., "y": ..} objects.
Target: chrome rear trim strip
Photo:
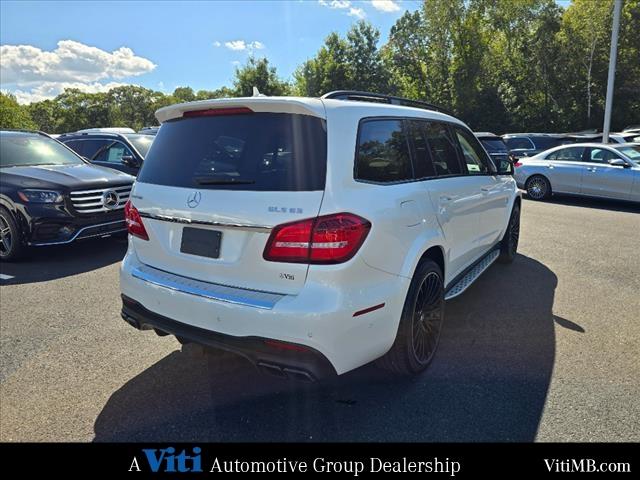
[{"x": 189, "y": 221}]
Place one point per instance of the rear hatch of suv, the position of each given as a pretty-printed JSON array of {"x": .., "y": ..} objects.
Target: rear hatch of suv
[{"x": 218, "y": 179}]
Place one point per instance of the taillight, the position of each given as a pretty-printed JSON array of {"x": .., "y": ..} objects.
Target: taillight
[
  {"x": 326, "y": 239},
  {"x": 214, "y": 112},
  {"x": 134, "y": 221},
  {"x": 517, "y": 164}
]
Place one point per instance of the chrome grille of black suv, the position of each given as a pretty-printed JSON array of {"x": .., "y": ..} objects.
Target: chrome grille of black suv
[{"x": 93, "y": 201}]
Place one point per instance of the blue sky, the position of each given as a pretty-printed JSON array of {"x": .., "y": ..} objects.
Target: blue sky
[
  {"x": 49, "y": 45},
  {"x": 95, "y": 45}
]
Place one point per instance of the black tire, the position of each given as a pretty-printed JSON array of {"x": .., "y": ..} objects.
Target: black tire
[
  {"x": 420, "y": 325},
  {"x": 509, "y": 243},
  {"x": 538, "y": 187},
  {"x": 11, "y": 246}
]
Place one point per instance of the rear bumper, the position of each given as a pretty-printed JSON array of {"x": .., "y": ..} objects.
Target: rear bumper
[
  {"x": 326, "y": 316},
  {"x": 286, "y": 360}
]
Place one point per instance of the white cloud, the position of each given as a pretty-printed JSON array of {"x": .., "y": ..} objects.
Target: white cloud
[
  {"x": 356, "y": 12},
  {"x": 385, "y": 5},
  {"x": 235, "y": 63},
  {"x": 33, "y": 74},
  {"x": 241, "y": 45},
  {"x": 344, "y": 5},
  {"x": 236, "y": 45},
  {"x": 217, "y": 44},
  {"x": 71, "y": 61},
  {"x": 46, "y": 90}
]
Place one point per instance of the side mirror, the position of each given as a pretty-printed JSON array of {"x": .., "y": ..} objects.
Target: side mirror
[
  {"x": 505, "y": 167},
  {"x": 130, "y": 161},
  {"x": 618, "y": 162}
]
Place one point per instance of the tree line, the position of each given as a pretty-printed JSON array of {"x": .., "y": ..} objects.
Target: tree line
[{"x": 508, "y": 65}]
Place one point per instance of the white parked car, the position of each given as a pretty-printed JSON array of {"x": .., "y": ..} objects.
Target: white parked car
[
  {"x": 312, "y": 235},
  {"x": 586, "y": 169}
]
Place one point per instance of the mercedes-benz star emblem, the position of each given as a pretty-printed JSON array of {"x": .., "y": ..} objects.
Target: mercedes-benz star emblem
[
  {"x": 110, "y": 199},
  {"x": 193, "y": 200}
]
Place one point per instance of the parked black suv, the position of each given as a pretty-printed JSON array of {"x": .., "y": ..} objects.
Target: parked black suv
[
  {"x": 529, "y": 144},
  {"x": 496, "y": 148},
  {"x": 49, "y": 195},
  {"x": 122, "y": 151}
]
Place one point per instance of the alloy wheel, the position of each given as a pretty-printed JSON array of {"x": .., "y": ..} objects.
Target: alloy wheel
[
  {"x": 537, "y": 188},
  {"x": 427, "y": 318},
  {"x": 6, "y": 240},
  {"x": 514, "y": 232}
]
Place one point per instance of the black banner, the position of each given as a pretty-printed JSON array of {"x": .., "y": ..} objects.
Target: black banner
[{"x": 350, "y": 459}]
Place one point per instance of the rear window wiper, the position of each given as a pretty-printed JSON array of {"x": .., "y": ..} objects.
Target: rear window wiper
[{"x": 223, "y": 181}]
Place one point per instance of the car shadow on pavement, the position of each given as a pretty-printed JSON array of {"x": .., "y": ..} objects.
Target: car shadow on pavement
[
  {"x": 598, "y": 203},
  {"x": 488, "y": 382},
  {"x": 49, "y": 263}
]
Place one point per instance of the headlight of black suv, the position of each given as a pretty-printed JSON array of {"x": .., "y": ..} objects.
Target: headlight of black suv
[{"x": 40, "y": 196}]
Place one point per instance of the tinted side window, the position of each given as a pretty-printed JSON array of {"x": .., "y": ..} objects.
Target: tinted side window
[
  {"x": 601, "y": 155},
  {"x": 472, "y": 152},
  {"x": 91, "y": 147},
  {"x": 572, "y": 154},
  {"x": 112, "y": 153},
  {"x": 443, "y": 149},
  {"x": 75, "y": 145},
  {"x": 383, "y": 153},
  {"x": 422, "y": 164},
  {"x": 519, "y": 143}
]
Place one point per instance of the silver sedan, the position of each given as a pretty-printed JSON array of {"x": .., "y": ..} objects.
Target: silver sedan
[{"x": 586, "y": 169}]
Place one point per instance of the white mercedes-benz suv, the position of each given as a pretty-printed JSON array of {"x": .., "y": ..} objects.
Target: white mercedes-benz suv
[{"x": 312, "y": 235}]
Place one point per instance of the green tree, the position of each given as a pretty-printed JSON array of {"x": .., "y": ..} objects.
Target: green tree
[
  {"x": 133, "y": 106},
  {"x": 46, "y": 115},
  {"x": 329, "y": 70},
  {"x": 184, "y": 94},
  {"x": 366, "y": 69},
  {"x": 222, "y": 92},
  {"x": 257, "y": 73},
  {"x": 14, "y": 115},
  {"x": 404, "y": 56}
]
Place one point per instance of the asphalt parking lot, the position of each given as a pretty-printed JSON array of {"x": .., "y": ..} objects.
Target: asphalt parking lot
[{"x": 545, "y": 349}]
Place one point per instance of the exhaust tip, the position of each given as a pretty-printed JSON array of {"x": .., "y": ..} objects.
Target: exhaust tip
[{"x": 286, "y": 372}]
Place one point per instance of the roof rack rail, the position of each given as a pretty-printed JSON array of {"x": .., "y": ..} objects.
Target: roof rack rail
[{"x": 381, "y": 98}]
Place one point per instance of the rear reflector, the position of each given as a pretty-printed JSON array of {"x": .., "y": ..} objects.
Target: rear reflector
[
  {"x": 285, "y": 346},
  {"x": 323, "y": 240},
  {"x": 368, "y": 310},
  {"x": 213, "y": 112},
  {"x": 134, "y": 221}
]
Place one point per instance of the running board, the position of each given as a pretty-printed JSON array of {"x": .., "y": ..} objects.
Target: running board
[{"x": 471, "y": 276}]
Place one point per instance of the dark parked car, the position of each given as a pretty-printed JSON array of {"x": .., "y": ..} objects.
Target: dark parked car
[
  {"x": 495, "y": 146},
  {"x": 529, "y": 144},
  {"x": 122, "y": 151},
  {"x": 49, "y": 195}
]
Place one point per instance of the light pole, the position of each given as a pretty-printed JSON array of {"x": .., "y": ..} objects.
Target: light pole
[{"x": 613, "y": 53}]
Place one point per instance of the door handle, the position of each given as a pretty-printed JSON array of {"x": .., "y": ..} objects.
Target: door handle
[
  {"x": 550, "y": 166},
  {"x": 445, "y": 198},
  {"x": 486, "y": 189},
  {"x": 592, "y": 169}
]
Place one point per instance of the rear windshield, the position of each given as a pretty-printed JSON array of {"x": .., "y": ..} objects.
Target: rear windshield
[
  {"x": 494, "y": 145},
  {"x": 256, "y": 151}
]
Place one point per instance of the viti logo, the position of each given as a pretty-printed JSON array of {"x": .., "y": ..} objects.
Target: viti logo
[{"x": 166, "y": 460}]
